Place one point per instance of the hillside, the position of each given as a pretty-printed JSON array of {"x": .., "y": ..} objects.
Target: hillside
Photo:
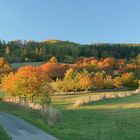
[{"x": 64, "y": 51}]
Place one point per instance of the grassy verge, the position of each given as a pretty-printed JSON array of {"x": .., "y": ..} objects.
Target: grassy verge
[
  {"x": 114, "y": 119},
  {"x": 3, "y": 134}
]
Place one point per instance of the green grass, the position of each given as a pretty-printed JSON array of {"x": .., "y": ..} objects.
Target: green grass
[
  {"x": 1, "y": 94},
  {"x": 113, "y": 119},
  {"x": 3, "y": 134},
  {"x": 17, "y": 65}
]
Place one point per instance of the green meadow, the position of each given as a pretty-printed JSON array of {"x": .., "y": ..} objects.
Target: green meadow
[
  {"x": 112, "y": 119},
  {"x": 3, "y": 134},
  {"x": 17, "y": 65}
]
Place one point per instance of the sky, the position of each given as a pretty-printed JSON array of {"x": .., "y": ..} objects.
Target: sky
[{"x": 81, "y": 21}]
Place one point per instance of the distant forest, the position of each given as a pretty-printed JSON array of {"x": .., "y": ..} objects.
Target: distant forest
[{"x": 64, "y": 51}]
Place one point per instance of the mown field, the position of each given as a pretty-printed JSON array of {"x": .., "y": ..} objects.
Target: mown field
[{"x": 113, "y": 119}]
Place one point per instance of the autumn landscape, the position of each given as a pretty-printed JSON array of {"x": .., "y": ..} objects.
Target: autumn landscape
[{"x": 83, "y": 83}]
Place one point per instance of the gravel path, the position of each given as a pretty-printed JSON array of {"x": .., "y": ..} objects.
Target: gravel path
[{"x": 19, "y": 129}]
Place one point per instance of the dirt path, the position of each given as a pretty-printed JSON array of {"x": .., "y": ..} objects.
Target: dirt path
[{"x": 19, "y": 129}]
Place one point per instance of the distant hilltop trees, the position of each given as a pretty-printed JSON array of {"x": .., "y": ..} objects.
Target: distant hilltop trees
[{"x": 64, "y": 51}]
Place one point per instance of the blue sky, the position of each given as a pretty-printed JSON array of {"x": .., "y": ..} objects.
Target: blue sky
[{"x": 83, "y": 21}]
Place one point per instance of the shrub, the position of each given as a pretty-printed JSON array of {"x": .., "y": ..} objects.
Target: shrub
[
  {"x": 52, "y": 115},
  {"x": 129, "y": 80}
]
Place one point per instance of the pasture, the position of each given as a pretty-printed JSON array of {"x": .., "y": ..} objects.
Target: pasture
[{"x": 113, "y": 119}]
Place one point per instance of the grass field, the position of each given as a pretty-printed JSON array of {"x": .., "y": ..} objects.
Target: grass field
[
  {"x": 113, "y": 119},
  {"x": 1, "y": 94},
  {"x": 3, "y": 134},
  {"x": 17, "y": 65}
]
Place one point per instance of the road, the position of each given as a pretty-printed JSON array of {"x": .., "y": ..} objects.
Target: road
[{"x": 19, "y": 129}]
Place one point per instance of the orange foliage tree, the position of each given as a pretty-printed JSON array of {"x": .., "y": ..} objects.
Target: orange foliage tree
[
  {"x": 54, "y": 70},
  {"x": 28, "y": 82},
  {"x": 5, "y": 68}
]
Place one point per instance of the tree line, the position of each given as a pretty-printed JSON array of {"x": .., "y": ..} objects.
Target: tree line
[
  {"x": 64, "y": 51},
  {"x": 32, "y": 86},
  {"x": 86, "y": 74}
]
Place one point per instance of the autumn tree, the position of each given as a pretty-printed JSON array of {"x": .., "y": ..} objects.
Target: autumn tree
[
  {"x": 5, "y": 68},
  {"x": 2, "y": 62},
  {"x": 28, "y": 82},
  {"x": 108, "y": 82},
  {"x": 84, "y": 81},
  {"x": 7, "y": 50},
  {"x": 67, "y": 84},
  {"x": 117, "y": 82},
  {"x": 137, "y": 60},
  {"x": 37, "y": 50},
  {"x": 53, "y": 60},
  {"x": 98, "y": 80},
  {"x": 54, "y": 70},
  {"x": 129, "y": 80},
  {"x": 40, "y": 51}
]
